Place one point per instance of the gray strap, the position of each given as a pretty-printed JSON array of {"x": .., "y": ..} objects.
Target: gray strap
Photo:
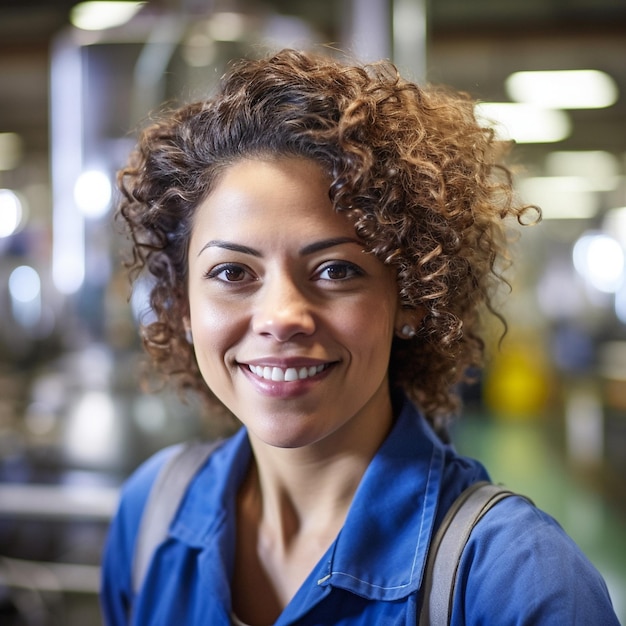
[
  {"x": 445, "y": 551},
  {"x": 164, "y": 500}
]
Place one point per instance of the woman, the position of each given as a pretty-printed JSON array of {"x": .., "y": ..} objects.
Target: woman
[{"x": 323, "y": 238}]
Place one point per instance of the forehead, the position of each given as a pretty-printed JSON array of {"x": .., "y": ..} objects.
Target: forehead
[{"x": 273, "y": 196}]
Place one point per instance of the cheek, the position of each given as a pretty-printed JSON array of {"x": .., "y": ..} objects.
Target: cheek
[
  {"x": 369, "y": 330},
  {"x": 214, "y": 330}
]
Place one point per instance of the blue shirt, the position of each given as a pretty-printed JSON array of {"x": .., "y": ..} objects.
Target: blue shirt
[{"x": 519, "y": 566}]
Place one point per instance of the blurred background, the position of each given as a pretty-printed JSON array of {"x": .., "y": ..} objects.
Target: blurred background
[{"x": 548, "y": 416}]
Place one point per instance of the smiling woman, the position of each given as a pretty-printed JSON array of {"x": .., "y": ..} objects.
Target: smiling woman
[
  {"x": 285, "y": 286},
  {"x": 324, "y": 240}
]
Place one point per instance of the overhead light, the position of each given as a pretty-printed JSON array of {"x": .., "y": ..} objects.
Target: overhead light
[
  {"x": 10, "y": 150},
  {"x": 102, "y": 15},
  {"x": 66, "y": 160},
  {"x": 560, "y": 197},
  {"x": 563, "y": 89},
  {"x": 614, "y": 224},
  {"x": 227, "y": 26},
  {"x": 10, "y": 212},
  {"x": 92, "y": 193},
  {"x": 524, "y": 123},
  {"x": 599, "y": 259},
  {"x": 601, "y": 168},
  {"x": 25, "y": 292}
]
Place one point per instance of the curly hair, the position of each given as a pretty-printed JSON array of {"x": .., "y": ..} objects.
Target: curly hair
[{"x": 422, "y": 180}]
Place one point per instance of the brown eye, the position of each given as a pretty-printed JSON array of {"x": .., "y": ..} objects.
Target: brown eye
[
  {"x": 233, "y": 274},
  {"x": 336, "y": 272},
  {"x": 339, "y": 271},
  {"x": 228, "y": 273}
]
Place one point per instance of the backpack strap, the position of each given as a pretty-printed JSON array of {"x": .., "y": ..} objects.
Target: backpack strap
[
  {"x": 164, "y": 501},
  {"x": 445, "y": 550}
]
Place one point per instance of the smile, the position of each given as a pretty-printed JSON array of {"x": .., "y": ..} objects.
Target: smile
[{"x": 278, "y": 374}]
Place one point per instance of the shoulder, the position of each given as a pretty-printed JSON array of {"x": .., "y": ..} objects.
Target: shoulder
[
  {"x": 119, "y": 550},
  {"x": 179, "y": 462},
  {"x": 459, "y": 473},
  {"x": 116, "y": 593},
  {"x": 519, "y": 562},
  {"x": 136, "y": 489},
  {"x": 133, "y": 497}
]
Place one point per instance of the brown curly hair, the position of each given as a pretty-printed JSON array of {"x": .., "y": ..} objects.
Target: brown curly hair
[{"x": 421, "y": 178}]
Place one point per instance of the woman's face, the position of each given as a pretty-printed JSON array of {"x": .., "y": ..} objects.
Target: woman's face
[{"x": 292, "y": 321}]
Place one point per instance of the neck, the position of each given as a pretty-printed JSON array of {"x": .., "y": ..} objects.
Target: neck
[
  {"x": 291, "y": 508},
  {"x": 299, "y": 491},
  {"x": 298, "y": 498}
]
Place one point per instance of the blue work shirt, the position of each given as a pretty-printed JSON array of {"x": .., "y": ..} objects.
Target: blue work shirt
[{"x": 519, "y": 566}]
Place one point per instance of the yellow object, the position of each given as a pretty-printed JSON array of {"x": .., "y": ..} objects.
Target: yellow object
[{"x": 517, "y": 382}]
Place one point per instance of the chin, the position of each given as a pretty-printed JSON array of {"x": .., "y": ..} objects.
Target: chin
[{"x": 279, "y": 436}]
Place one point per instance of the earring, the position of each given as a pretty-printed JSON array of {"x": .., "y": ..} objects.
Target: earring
[
  {"x": 408, "y": 332},
  {"x": 189, "y": 336}
]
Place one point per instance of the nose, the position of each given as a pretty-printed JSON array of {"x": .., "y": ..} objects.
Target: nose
[{"x": 283, "y": 310}]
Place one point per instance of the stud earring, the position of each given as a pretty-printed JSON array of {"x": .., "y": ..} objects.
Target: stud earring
[
  {"x": 189, "y": 336},
  {"x": 408, "y": 332}
]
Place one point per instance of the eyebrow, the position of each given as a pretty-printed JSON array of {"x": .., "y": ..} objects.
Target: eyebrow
[
  {"x": 311, "y": 248},
  {"x": 317, "y": 246},
  {"x": 228, "y": 245}
]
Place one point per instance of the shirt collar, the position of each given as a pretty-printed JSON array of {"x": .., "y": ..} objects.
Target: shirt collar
[{"x": 381, "y": 551}]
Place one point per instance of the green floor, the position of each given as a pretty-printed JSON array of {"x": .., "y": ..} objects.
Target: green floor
[{"x": 521, "y": 456}]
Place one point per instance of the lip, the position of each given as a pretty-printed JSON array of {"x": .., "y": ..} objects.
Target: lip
[{"x": 285, "y": 388}]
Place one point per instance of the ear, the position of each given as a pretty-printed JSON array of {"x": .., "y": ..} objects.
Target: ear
[{"x": 408, "y": 322}]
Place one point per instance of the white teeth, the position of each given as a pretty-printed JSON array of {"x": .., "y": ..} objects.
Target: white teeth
[
  {"x": 277, "y": 374},
  {"x": 291, "y": 374}
]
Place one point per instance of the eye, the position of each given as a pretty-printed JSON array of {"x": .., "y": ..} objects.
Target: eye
[
  {"x": 339, "y": 270},
  {"x": 228, "y": 273}
]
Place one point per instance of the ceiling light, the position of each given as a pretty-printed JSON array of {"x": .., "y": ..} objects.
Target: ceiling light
[
  {"x": 560, "y": 197},
  {"x": 10, "y": 150},
  {"x": 614, "y": 224},
  {"x": 524, "y": 123},
  {"x": 227, "y": 26},
  {"x": 25, "y": 292},
  {"x": 103, "y": 15},
  {"x": 599, "y": 259},
  {"x": 10, "y": 212},
  {"x": 601, "y": 169},
  {"x": 92, "y": 193},
  {"x": 565, "y": 89}
]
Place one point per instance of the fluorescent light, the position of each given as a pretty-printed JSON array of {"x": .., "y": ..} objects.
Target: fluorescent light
[
  {"x": 10, "y": 150},
  {"x": 24, "y": 284},
  {"x": 25, "y": 291},
  {"x": 614, "y": 224},
  {"x": 227, "y": 26},
  {"x": 93, "y": 431},
  {"x": 524, "y": 123},
  {"x": 601, "y": 168},
  {"x": 92, "y": 193},
  {"x": 66, "y": 129},
  {"x": 102, "y": 15},
  {"x": 10, "y": 212},
  {"x": 564, "y": 89},
  {"x": 599, "y": 259},
  {"x": 560, "y": 197}
]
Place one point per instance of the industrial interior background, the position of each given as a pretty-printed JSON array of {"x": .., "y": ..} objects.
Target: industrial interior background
[{"x": 548, "y": 417}]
